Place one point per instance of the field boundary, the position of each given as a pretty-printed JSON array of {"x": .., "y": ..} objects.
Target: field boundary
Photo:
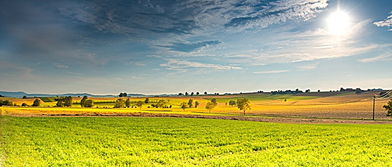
[{"x": 241, "y": 118}]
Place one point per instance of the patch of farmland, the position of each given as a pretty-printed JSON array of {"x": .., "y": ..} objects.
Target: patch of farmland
[{"x": 114, "y": 141}]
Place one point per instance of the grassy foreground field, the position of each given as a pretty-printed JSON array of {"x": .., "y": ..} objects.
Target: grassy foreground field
[{"x": 124, "y": 141}]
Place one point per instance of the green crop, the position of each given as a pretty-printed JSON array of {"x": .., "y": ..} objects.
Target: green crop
[{"x": 127, "y": 141}]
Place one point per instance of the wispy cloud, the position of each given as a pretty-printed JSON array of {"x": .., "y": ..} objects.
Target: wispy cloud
[
  {"x": 174, "y": 64},
  {"x": 385, "y": 23},
  {"x": 189, "y": 47},
  {"x": 271, "y": 72},
  {"x": 385, "y": 57},
  {"x": 308, "y": 66}
]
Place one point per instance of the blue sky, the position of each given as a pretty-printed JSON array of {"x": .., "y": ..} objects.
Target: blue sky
[{"x": 164, "y": 46}]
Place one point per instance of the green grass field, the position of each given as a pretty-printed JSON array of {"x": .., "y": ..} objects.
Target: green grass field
[{"x": 124, "y": 141}]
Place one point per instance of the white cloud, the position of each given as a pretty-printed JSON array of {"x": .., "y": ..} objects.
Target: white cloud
[
  {"x": 271, "y": 72},
  {"x": 385, "y": 57},
  {"x": 174, "y": 64},
  {"x": 385, "y": 23},
  {"x": 317, "y": 44},
  {"x": 308, "y": 66}
]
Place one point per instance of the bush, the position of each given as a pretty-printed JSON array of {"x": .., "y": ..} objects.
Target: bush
[
  {"x": 89, "y": 103},
  {"x": 36, "y": 103},
  {"x": 388, "y": 107},
  {"x": 120, "y": 103}
]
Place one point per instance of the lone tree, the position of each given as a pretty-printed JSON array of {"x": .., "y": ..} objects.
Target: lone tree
[
  {"x": 123, "y": 94},
  {"x": 214, "y": 101},
  {"x": 147, "y": 100},
  {"x": 210, "y": 106},
  {"x": 184, "y": 106},
  {"x": 36, "y": 103},
  {"x": 196, "y": 104},
  {"x": 243, "y": 104},
  {"x": 127, "y": 103},
  {"x": 388, "y": 107},
  {"x": 83, "y": 100},
  {"x": 120, "y": 103},
  {"x": 68, "y": 101},
  {"x": 60, "y": 102},
  {"x": 190, "y": 103}
]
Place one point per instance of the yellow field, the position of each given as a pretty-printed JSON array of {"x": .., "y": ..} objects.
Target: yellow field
[{"x": 356, "y": 106}]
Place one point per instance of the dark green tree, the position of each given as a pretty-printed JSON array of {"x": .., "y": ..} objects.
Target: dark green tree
[
  {"x": 196, "y": 104},
  {"x": 89, "y": 103},
  {"x": 120, "y": 103},
  {"x": 60, "y": 102},
  {"x": 214, "y": 101},
  {"x": 36, "y": 103},
  {"x": 68, "y": 101},
  {"x": 232, "y": 103},
  {"x": 184, "y": 106},
  {"x": 83, "y": 100},
  {"x": 127, "y": 103},
  {"x": 147, "y": 100},
  {"x": 190, "y": 103}
]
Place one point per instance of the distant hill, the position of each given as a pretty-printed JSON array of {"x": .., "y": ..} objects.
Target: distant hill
[{"x": 21, "y": 94}]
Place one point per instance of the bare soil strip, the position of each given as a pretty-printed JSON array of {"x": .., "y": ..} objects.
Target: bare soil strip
[{"x": 242, "y": 118}]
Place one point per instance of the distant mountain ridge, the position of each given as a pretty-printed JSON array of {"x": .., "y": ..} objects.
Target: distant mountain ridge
[{"x": 21, "y": 94}]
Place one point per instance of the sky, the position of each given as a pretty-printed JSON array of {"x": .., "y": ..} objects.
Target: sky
[{"x": 171, "y": 46}]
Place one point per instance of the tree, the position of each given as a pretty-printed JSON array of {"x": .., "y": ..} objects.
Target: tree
[
  {"x": 205, "y": 93},
  {"x": 24, "y": 104},
  {"x": 232, "y": 103},
  {"x": 139, "y": 104},
  {"x": 214, "y": 101},
  {"x": 388, "y": 107},
  {"x": 68, "y": 101},
  {"x": 192, "y": 94},
  {"x": 24, "y": 97},
  {"x": 243, "y": 104},
  {"x": 196, "y": 104},
  {"x": 184, "y": 106},
  {"x": 161, "y": 104},
  {"x": 190, "y": 103},
  {"x": 83, "y": 100},
  {"x": 123, "y": 94},
  {"x": 6, "y": 103},
  {"x": 147, "y": 100},
  {"x": 36, "y": 103},
  {"x": 120, "y": 103},
  {"x": 89, "y": 103},
  {"x": 197, "y": 93},
  {"x": 127, "y": 103},
  {"x": 186, "y": 94},
  {"x": 60, "y": 102},
  {"x": 210, "y": 106}
]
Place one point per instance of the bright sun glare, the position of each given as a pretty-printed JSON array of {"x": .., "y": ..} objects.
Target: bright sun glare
[{"x": 339, "y": 23}]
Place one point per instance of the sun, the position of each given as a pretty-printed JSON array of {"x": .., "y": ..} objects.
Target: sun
[{"x": 339, "y": 23}]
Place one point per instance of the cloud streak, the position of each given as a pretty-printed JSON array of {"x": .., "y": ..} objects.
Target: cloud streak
[
  {"x": 174, "y": 64},
  {"x": 385, "y": 23},
  {"x": 271, "y": 72}
]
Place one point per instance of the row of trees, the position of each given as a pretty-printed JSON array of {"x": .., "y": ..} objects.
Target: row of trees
[
  {"x": 191, "y": 94},
  {"x": 64, "y": 102}
]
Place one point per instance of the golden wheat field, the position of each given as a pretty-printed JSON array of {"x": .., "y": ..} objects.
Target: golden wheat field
[{"x": 346, "y": 106}]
